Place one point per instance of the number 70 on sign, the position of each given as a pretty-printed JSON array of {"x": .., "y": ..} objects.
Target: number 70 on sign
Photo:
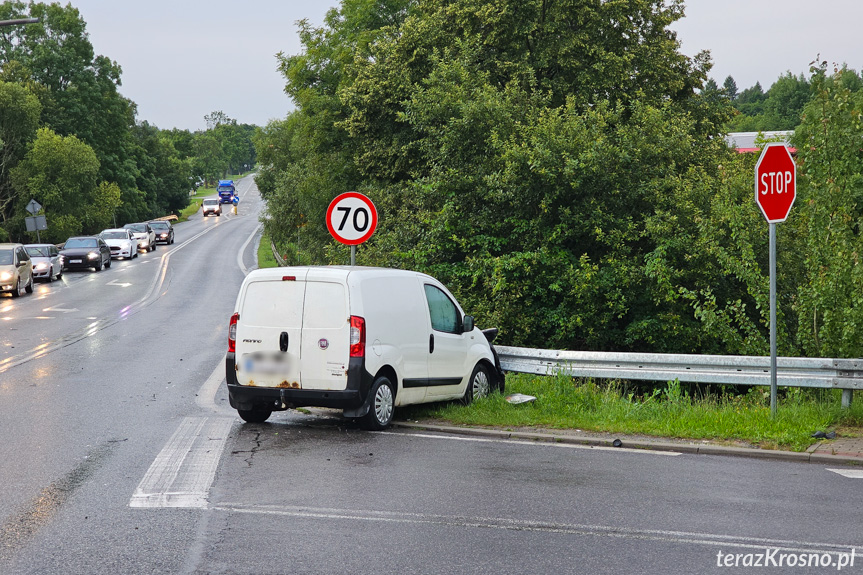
[{"x": 352, "y": 218}]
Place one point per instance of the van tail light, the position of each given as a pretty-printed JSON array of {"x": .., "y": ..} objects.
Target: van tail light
[
  {"x": 232, "y": 333},
  {"x": 358, "y": 336}
]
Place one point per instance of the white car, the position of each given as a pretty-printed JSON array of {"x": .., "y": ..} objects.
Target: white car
[
  {"x": 47, "y": 263},
  {"x": 365, "y": 340},
  {"x": 211, "y": 206},
  {"x": 121, "y": 242},
  {"x": 144, "y": 234}
]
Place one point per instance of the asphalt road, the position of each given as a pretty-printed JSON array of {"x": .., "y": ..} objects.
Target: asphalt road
[{"x": 120, "y": 455}]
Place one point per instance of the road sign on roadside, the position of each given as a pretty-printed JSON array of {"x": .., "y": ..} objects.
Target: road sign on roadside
[
  {"x": 775, "y": 191},
  {"x": 33, "y": 207},
  {"x": 775, "y": 182},
  {"x": 34, "y": 224},
  {"x": 352, "y": 218}
]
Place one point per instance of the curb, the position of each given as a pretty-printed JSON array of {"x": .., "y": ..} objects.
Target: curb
[{"x": 659, "y": 445}]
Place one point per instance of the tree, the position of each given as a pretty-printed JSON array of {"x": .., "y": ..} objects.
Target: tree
[
  {"x": 785, "y": 101},
  {"x": 830, "y": 185},
  {"x": 61, "y": 173},
  {"x": 80, "y": 93},
  {"x": 526, "y": 161},
  {"x": 161, "y": 176},
  {"x": 19, "y": 118},
  {"x": 730, "y": 88}
]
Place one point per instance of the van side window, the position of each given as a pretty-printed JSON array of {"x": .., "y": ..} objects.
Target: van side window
[{"x": 443, "y": 312}]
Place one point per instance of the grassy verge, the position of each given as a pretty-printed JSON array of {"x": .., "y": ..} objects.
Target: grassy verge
[
  {"x": 564, "y": 403},
  {"x": 265, "y": 254},
  {"x": 191, "y": 209},
  {"x": 203, "y": 192}
]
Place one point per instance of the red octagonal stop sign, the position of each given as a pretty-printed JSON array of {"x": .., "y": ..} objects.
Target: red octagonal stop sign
[{"x": 775, "y": 182}]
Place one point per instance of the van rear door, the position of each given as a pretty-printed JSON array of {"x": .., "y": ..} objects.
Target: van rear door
[
  {"x": 326, "y": 336},
  {"x": 269, "y": 333}
]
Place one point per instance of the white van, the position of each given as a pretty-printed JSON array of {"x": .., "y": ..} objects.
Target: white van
[{"x": 365, "y": 340}]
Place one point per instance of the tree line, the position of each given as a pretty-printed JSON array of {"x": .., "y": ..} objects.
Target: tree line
[
  {"x": 561, "y": 166},
  {"x": 70, "y": 140},
  {"x": 781, "y": 106}
]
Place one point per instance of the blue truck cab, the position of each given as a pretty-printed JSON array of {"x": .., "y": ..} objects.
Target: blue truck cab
[{"x": 226, "y": 191}]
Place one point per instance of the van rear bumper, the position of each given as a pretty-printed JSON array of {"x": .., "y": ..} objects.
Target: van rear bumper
[{"x": 276, "y": 398}]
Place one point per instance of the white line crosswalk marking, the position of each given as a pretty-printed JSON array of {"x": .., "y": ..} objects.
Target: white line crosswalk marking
[{"x": 183, "y": 471}]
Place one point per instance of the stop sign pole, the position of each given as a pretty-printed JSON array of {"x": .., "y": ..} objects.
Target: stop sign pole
[{"x": 775, "y": 191}]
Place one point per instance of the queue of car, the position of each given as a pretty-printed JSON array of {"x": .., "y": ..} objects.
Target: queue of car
[{"x": 21, "y": 265}]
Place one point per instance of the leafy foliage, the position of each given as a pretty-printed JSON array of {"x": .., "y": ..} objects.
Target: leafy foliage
[
  {"x": 562, "y": 168},
  {"x": 831, "y": 174},
  {"x": 61, "y": 173}
]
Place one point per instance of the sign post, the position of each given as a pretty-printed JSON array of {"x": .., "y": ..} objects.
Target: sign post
[
  {"x": 35, "y": 223},
  {"x": 775, "y": 192},
  {"x": 351, "y": 220}
]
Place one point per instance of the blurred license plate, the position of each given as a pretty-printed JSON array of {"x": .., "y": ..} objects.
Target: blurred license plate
[
  {"x": 75, "y": 261},
  {"x": 270, "y": 363}
]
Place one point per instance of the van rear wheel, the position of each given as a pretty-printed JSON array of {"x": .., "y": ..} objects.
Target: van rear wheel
[
  {"x": 254, "y": 415},
  {"x": 380, "y": 413}
]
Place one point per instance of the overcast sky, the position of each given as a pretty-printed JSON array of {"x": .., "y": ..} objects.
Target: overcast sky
[{"x": 183, "y": 59}]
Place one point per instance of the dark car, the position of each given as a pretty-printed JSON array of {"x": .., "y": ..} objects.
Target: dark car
[
  {"x": 164, "y": 231},
  {"x": 84, "y": 252}
]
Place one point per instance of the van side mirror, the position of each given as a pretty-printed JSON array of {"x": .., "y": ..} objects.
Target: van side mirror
[{"x": 467, "y": 324}]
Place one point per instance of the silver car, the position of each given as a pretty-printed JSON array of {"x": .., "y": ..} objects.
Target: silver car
[
  {"x": 16, "y": 269},
  {"x": 47, "y": 263}
]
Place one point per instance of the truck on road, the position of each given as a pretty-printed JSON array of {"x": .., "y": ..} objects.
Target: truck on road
[{"x": 226, "y": 191}]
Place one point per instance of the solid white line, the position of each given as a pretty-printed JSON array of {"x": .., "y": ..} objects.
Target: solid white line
[
  {"x": 243, "y": 249},
  {"x": 532, "y": 443},
  {"x": 183, "y": 471},
  {"x": 522, "y": 525},
  {"x": 849, "y": 473},
  {"x": 206, "y": 396}
]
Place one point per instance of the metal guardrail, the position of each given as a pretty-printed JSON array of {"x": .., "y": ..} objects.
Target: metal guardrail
[
  {"x": 844, "y": 374},
  {"x": 276, "y": 254}
]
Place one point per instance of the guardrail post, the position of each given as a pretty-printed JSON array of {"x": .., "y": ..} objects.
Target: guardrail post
[{"x": 847, "y": 396}]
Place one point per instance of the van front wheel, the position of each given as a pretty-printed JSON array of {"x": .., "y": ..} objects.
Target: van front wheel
[
  {"x": 254, "y": 415},
  {"x": 479, "y": 384},
  {"x": 381, "y": 410}
]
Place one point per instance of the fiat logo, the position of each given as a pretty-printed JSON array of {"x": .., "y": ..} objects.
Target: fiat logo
[{"x": 323, "y": 343}]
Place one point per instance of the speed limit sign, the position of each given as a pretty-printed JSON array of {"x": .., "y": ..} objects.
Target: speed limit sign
[{"x": 352, "y": 218}]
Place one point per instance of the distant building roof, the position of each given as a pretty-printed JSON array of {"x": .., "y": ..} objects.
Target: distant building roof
[{"x": 745, "y": 141}]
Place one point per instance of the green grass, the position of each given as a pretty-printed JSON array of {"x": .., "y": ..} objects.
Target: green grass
[
  {"x": 203, "y": 192},
  {"x": 192, "y": 208},
  {"x": 265, "y": 254},
  {"x": 565, "y": 403}
]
